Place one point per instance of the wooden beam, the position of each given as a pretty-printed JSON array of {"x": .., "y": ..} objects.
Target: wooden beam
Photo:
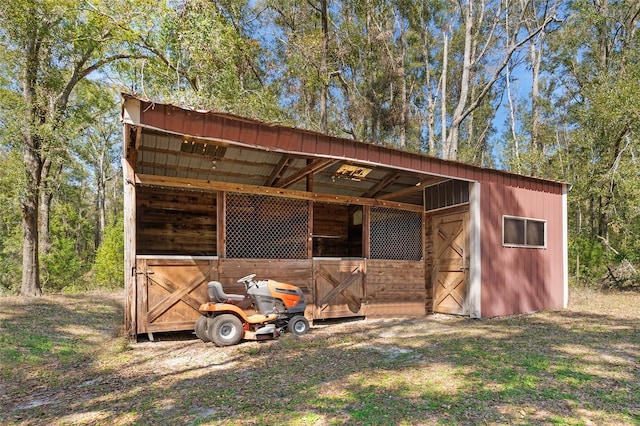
[
  {"x": 173, "y": 152},
  {"x": 138, "y": 141},
  {"x": 130, "y": 249},
  {"x": 366, "y": 232},
  {"x": 340, "y": 288},
  {"x": 277, "y": 171},
  {"x": 315, "y": 166},
  {"x": 207, "y": 185},
  {"x": 391, "y": 177},
  {"x": 221, "y": 225}
]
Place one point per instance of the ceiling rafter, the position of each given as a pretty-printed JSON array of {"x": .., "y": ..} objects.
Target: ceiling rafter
[
  {"x": 388, "y": 180},
  {"x": 278, "y": 170},
  {"x": 316, "y": 166}
]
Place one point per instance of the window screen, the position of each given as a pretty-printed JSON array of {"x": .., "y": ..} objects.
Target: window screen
[
  {"x": 535, "y": 233},
  {"x": 264, "y": 227},
  {"x": 521, "y": 232},
  {"x": 514, "y": 231},
  {"x": 395, "y": 234}
]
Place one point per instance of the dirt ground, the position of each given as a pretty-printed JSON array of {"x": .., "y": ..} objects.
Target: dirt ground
[{"x": 65, "y": 361}]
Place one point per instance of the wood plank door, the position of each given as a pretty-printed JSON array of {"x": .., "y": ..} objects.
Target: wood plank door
[
  {"x": 339, "y": 290},
  {"x": 450, "y": 264},
  {"x": 170, "y": 293}
]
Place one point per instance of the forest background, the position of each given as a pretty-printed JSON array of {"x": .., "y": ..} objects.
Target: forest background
[{"x": 544, "y": 88}]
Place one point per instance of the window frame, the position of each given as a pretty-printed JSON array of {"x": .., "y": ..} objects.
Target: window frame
[{"x": 526, "y": 221}]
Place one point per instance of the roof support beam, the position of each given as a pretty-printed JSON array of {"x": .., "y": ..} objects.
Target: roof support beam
[
  {"x": 277, "y": 171},
  {"x": 316, "y": 166},
  {"x": 208, "y": 185},
  {"x": 388, "y": 180}
]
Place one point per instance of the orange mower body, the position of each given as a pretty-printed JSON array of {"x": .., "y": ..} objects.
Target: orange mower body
[{"x": 280, "y": 307}]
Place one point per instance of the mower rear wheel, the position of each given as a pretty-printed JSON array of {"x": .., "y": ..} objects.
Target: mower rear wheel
[
  {"x": 225, "y": 330},
  {"x": 202, "y": 324},
  {"x": 298, "y": 325}
]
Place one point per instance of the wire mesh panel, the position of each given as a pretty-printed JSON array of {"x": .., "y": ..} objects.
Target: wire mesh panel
[
  {"x": 395, "y": 234},
  {"x": 264, "y": 227}
]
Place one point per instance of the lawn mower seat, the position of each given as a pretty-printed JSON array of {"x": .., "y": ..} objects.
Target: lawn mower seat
[{"x": 216, "y": 293}]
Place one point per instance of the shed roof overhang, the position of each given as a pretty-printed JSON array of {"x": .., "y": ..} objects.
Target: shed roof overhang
[{"x": 174, "y": 146}]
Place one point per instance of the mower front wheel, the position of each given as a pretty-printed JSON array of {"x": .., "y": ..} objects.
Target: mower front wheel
[
  {"x": 225, "y": 330},
  {"x": 298, "y": 325}
]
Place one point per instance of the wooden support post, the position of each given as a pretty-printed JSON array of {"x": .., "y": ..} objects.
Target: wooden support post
[
  {"x": 366, "y": 232},
  {"x": 221, "y": 205},
  {"x": 130, "y": 277}
]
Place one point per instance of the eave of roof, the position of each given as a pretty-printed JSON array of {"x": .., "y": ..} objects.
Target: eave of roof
[{"x": 232, "y": 129}]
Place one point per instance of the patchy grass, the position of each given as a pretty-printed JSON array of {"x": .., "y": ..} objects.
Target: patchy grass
[{"x": 63, "y": 361}]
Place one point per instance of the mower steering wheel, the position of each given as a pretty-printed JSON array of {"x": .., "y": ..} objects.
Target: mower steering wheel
[{"x": 247, "y": 278}]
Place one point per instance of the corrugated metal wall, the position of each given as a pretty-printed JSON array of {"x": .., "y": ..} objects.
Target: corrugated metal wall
[{"x": 515, "y": 279}]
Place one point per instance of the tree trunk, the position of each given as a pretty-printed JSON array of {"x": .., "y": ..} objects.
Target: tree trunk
[
  {"x": 30, "y": 266},
  {"x": 465, "y": 81},
  {"x": 404, "y": 105},
  {"x": 431, "y": 98},
  {"x": 535, "y": 56},
  {"x": 324, "y": 71},
  {"x": 512, "y": 123},
  {"x": 30, "y": 285},
  {"x": 101, "y": 209},
  {"x": 536, "y": 59},
  {"x": 46, "y": 195},
  {"x": 443, "y": 97}
]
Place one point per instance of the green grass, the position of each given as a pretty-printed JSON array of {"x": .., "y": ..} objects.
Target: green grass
[{"x": 61, "y": 364}]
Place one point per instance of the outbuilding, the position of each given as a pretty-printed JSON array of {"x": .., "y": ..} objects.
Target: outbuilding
[{"x": 365, "y": 230}]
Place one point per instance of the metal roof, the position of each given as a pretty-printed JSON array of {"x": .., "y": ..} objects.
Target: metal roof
[{"x": 177, "y": 142}]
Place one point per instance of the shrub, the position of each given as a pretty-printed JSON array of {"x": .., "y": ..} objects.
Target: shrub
[
  {"x": 108, "y": 269},
  {"x": 62, "y": 267}
]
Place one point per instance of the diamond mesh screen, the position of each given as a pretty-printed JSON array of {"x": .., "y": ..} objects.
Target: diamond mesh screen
[
  {"x": 395, "y": 234},
  {"x": 263, "y": 227}
]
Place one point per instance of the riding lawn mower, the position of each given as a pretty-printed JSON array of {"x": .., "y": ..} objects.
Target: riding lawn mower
[{"x": 224, "y": 322}]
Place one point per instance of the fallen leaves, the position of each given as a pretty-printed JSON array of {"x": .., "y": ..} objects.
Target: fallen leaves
[{"x": 574, "y": 366}]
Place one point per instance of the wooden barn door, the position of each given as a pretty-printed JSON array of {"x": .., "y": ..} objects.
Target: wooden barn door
[
  {"x": 450, "y": 263},
  {"x": 338, "y": 288},
  {"x": 170, "y": 292}
]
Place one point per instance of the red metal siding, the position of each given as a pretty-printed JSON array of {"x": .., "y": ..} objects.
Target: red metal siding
[
  {"x": 272, "y": 137},
  {"x": 230, "y": 131},
  {"x": 517, "y": 280},
  {"x": 309, "y": 142},
  {"x": 193, "y": 124},
  {"x": 249, "y": 134},
  {"x": 214, "y": 126}
]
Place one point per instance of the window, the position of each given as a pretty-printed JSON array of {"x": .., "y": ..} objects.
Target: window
[{"x": 522, "y": 232}]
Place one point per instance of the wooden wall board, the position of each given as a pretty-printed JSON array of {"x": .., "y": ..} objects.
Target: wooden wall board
[
  {"x": 330, "y": 230},
  {"x": 170, "y": 292},
  {"x": 395, "y": 288},
  {"x": 339, "y": 288},
  {"x": 171, "y": 221}
]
